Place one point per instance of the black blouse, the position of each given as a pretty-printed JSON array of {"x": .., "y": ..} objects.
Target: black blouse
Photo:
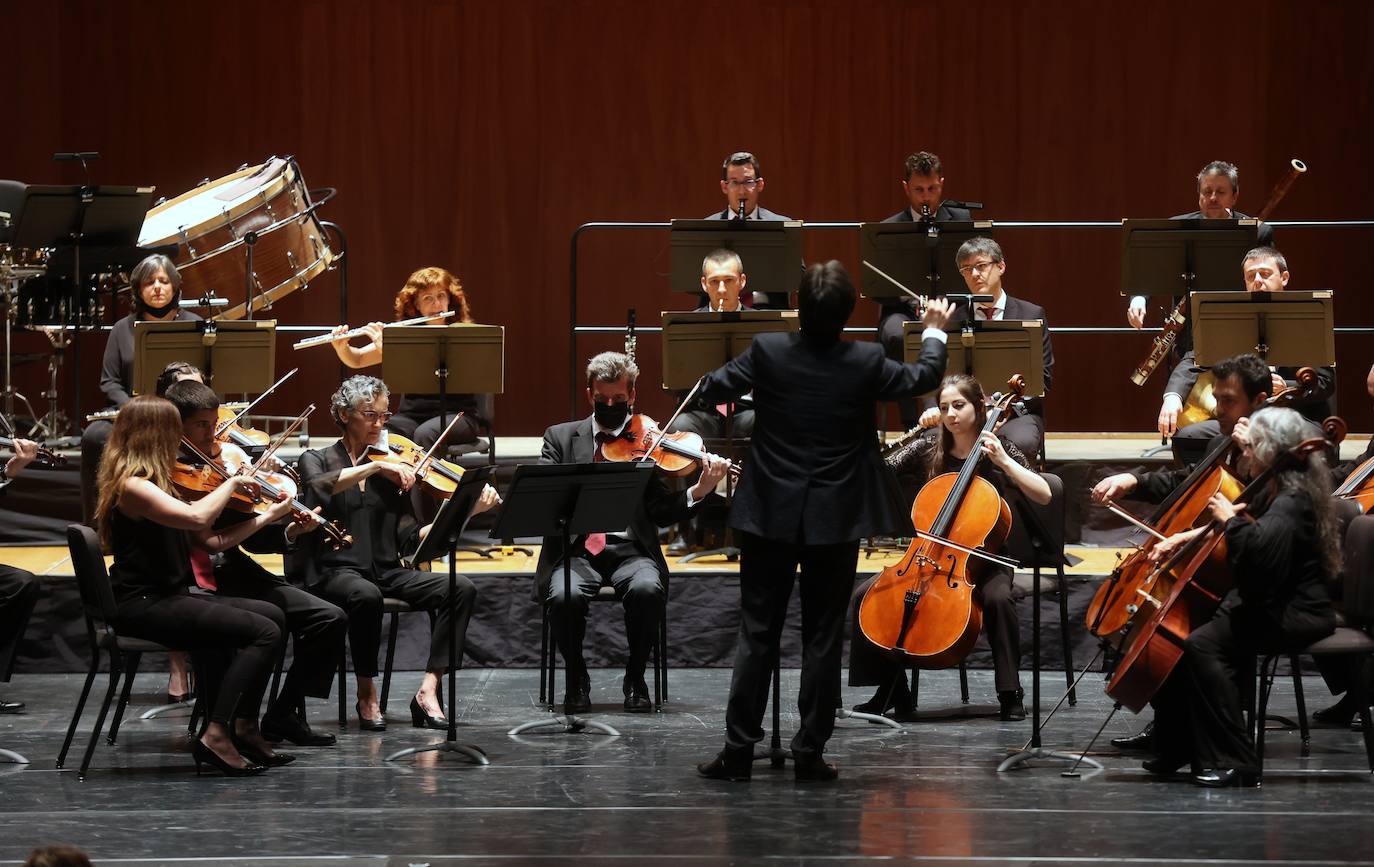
[{"x": 150, "y": 559}]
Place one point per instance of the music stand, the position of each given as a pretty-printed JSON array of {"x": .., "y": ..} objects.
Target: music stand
[
  {"x": 992, "y": 351},
  {"x": 443, "y": 538},
  {"x": 464, "y": 358},
  {"x": 1286, "y": 329},
  {"x": 568, "y": 500},
  {"x": 771, "y": 251},
  {"x": 1179, "y": 257},
  {"x": 236, "y": 357},
  {"x": 696, "y": 343},
  {"x": 921, "y": 256}
]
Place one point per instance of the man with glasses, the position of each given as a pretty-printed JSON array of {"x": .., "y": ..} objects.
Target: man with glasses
[
  {"x": 371, "y": 499},
  {"x": 741, "y": 181},
  {"x": 982, "y": 265},
  {"x": 924, "y": 188}
]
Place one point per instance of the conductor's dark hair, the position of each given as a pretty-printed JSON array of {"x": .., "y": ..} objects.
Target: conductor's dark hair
[
  {"x": 924, "y": 163},
  {"x": 1253, "y": 373},
  {"x": 190, "y": 397},
  {"x": 174, "y": 373},
  {"x": 740, "y": 158},
  {"x": 825, "y": 299}
]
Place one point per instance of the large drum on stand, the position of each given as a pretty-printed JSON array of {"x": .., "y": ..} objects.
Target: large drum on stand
[{"x": 258, "y": 223}]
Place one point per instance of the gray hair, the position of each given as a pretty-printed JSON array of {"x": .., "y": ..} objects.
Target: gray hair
[
  {"x": 611, "y": 367},
  {"x": 355, "y": 390},
  {"x": 722, "y": 256},
  {"x": 148, "y": 267},
  {"x": 1220, "y": 167},
  {"x": 979, "y": 247},
  {"x": 1265, "y": 253},
  {"x": 1276, "y": 429}
]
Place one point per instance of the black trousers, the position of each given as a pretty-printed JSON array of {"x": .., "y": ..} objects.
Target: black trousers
[
  {"x": 870, "y": 665},
  {"x": 768, "y": 569},
  {"x": 638, "y": 585},
  {"x": 360, "y": 596},
  {"x": 1199, "y": 711},
  {"x": 93, "y": 439},
  {"x": 316, "y": 625},
  {"x": 18, "y": 595},
  {"x": 234, "y": 643},
  {"x": 1190, "y": 442}
]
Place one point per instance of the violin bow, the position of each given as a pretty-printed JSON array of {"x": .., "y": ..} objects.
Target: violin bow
[
  {"x": 231, "y": 422},
  {"x": 663, "y": 431},
  {"x": 429, "y": 455},
  {"x": 261, "y": 462}
]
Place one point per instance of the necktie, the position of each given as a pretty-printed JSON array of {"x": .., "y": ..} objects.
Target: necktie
[
  {"x": 595, "y": 543},
  {"x": 989, "y": 311}
]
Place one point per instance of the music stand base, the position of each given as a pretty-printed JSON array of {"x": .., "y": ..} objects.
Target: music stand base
[
  {"x": 1159, "y": 449},
  {"x": 729, "y": 553},
  {"x": 470, "y": 751},
  {"x": 11, "y": 756},
  {"x": 570, "y": 723},
  {"x": 154, "y": 712},
  {"x": 1023, "y": 757},
  {"x": 879, "y": 719}
]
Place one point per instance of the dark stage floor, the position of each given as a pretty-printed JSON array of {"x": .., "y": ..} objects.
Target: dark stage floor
[{"x": 927, "y": 793}]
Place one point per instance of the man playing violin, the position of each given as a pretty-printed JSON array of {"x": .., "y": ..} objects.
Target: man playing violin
[
  {"x": 370, "y": 496},
  {"x": 630, "y": 561},
  {"x": 317, "y": 626},
  {"x": 18, "y": 587}
]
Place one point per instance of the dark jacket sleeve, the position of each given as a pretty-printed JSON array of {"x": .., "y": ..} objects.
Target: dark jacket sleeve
[
  {"x": 112, "y": 383},
  {"x": 908, "y": 380},
  {"x": 550, "y": 452},
  {"x": 1155, "y": 486},
  {"x": 1184, "y": 376},
  {"x": 1260, "y": 551},
  {"x": 317, "y": 482},
  {"x": 731, "y": 380}
]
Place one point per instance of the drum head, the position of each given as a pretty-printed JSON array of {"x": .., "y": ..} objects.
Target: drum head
[{"x": 215, "y": 204}]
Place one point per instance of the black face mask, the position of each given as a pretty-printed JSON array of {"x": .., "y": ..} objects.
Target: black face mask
[
  {"x": 146, "y": 310},
  {"x": 611, "y": 415}
]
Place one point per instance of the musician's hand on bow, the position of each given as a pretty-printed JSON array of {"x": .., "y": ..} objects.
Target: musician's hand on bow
[
  {"x": 936, "y": 314},
  {"x": 401, "y": 474},
  {"x": 1167, "y": 548},
  {"x": 1113, "y": 487},
  {"x": 488, "y": 500},
  {"x": 1223, "y": 509},
  {"x": 929, "y": 419},
  {"x": 713, "y": 469}
]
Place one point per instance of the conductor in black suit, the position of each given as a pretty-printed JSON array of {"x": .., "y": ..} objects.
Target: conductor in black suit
[
  {"x": 741, "y": 181},
  {"x": 813, "y": 486},
  {"x": 630, "y": 561},
  {"x": 924, "y": 187}
]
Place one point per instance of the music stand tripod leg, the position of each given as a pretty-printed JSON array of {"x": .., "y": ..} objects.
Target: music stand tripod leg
[
  {"x": 11, "y": 756},
  {"x": 775, "y": 754}
]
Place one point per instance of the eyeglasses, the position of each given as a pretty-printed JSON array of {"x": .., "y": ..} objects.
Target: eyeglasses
[
  {"x": 750, "y": 184},
  {"x": 373, "y": 417},
  {"x": 976, "y": 268}
]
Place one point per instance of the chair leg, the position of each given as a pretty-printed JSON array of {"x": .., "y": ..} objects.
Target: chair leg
[
  {"x": 543, "y": 654},
  {"x": 390, "y": 658},
  {"x": 663, "y": 653},
  {"x": 276, "y": 676},
  {"x": 130, "y": 673},
  {"x": 80, "y": 706},
  {"x": 1306, "y": 733},
  {"x": 915, "y": 687},
  {"x": 963, "y": 683},
  {"x": 1063, "y": 586},
  {"x": 116, "y": 668},
  {"x": 343, "y": 688},
  {"x": 1360, "y": 689},
  {"x": 1268, "y": 668}
]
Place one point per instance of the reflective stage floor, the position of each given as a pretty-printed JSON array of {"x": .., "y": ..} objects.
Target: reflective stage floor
[{"x": 927, "y": 793}]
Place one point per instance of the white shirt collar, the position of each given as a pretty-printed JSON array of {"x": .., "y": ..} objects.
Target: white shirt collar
[
  {"x": 752, "y": 215},
  {"x": 1000, "y": 311}
]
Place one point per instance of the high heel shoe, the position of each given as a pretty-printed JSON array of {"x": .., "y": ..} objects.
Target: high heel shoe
[
  {"x": 275, "y": 760},
  {"x": 377, "y": 724},
  {"x": 204, "y": 755},
  {"x": 420, "y": 719}
]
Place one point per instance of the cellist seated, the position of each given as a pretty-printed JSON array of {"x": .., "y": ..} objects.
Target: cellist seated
[
  {"x": 1282, "y": 548},
  {"x": 963, "y": 414}
]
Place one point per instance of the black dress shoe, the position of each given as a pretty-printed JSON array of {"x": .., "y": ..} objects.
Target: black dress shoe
[
  {"x": 579, "y": 698},
  {"x": 1339, "y": 714},
  {"x": 1012, "y": 707},
  {"x": 734, "y": 766},
  {"x": 1142, "y": 742},
  {"x": 679, "y": 547},
  {"x": 814, "y": 769},
  {"x": 288, "y": 726},
  {"x": 11, "y": 707},
  {"x": 377, "y": 724},
  {"x": 636, "y": 695},
  {"x": 420, "y": 719},
  {"x": 204, "y": 755},
  {"x": 1221, "y": 778},
  {"x": 257, "y": 757},
  {"x": 892, "y": 698}
]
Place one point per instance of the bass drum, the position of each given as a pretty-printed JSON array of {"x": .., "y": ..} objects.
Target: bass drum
[{"x": 213, "y": 224}]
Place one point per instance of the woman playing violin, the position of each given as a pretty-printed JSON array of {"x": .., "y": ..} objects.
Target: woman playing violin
[
  {"x": 316, "y": 626},
  {"x": 1282, "y": 549},
  {"x": 962, "y": 415},
  {"x": 372, "y": 500},
  {"x": 150, "y": 530},
  {"x": 427, "y": 292}
]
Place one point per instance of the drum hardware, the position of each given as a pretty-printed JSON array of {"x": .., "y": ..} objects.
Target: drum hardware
[
  {"x": 229, "y": 224},
  {"x": 8, "y": 295},
  {"x": 53, "y": 425},
  {"x": 186, "y": 239}
]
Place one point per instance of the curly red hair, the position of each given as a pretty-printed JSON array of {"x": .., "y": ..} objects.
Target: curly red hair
[{"x": 430, "y": 278}]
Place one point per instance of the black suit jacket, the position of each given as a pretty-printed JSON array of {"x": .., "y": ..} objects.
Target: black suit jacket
[
  {"x": 814, "y": 475},
  {"x": 943, "y": 214},
  {"x": 574, "y": 442},
  {"x": 1017, "y": 309}
]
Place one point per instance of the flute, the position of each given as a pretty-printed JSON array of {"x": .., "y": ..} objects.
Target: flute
[{"x": 330, "y": 338}]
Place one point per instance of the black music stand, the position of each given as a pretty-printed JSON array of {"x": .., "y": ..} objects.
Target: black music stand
[
  {"x": 443, "y": 538},
  {"x": 570, "y": 500},
  {"x": 920, "y": 256},
  {"x": 236, "y": 357},
  {"x": 771, "y": 251},
  {"x": 1179, "y": 257}
]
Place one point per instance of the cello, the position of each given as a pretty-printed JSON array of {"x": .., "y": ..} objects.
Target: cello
[
  {"x": 1186, "y": 590},
  {"x": 1359, "y": 486},
  {"x": 1118, "y": 599},
  {"x": 922, "y": 607}
]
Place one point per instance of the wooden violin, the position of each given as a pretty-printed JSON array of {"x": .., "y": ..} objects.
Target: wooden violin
[
  {"x": 45, "y": 456},
  {"x": 441, "y": 477},
  {"x": 923, "y": 607},
  {"x": 676, "y": 454}
]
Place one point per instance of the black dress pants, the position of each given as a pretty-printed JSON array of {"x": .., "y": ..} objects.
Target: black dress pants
[
  {"x": 234, "y": 643},
  {"x": 316, "y": 625},
  {"x": 18, "y": 595},
  {"x": 638, "y": 585},
  {"x": 360, "y": 596},
  {"x": 768, "y": 569}
]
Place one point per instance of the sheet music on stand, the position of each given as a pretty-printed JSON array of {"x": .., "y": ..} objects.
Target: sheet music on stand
[{"x": 991, "y": 351}]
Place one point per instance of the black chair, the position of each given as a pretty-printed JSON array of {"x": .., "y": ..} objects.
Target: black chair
[
  {"x": 98, "y": 603},
  {"x": 548, "y": 650}
]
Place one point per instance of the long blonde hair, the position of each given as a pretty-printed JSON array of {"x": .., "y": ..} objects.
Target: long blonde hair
[{"x": 143, "y": 445}]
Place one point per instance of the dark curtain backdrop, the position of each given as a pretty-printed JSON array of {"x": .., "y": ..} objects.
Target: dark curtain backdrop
[{"x": 478, "y": 136}]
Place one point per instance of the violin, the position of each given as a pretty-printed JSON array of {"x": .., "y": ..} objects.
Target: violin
[
  {"x": 1186, "y": 590},
  {"x": 1119, "y": 598},
  {"x": 230, "y": 431},
  {"x": 46, "y": 456},
  {"x": 440, "y": 476},
  {"x": 676, "y": 454},
  {"x": 922, "y": 607}
]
